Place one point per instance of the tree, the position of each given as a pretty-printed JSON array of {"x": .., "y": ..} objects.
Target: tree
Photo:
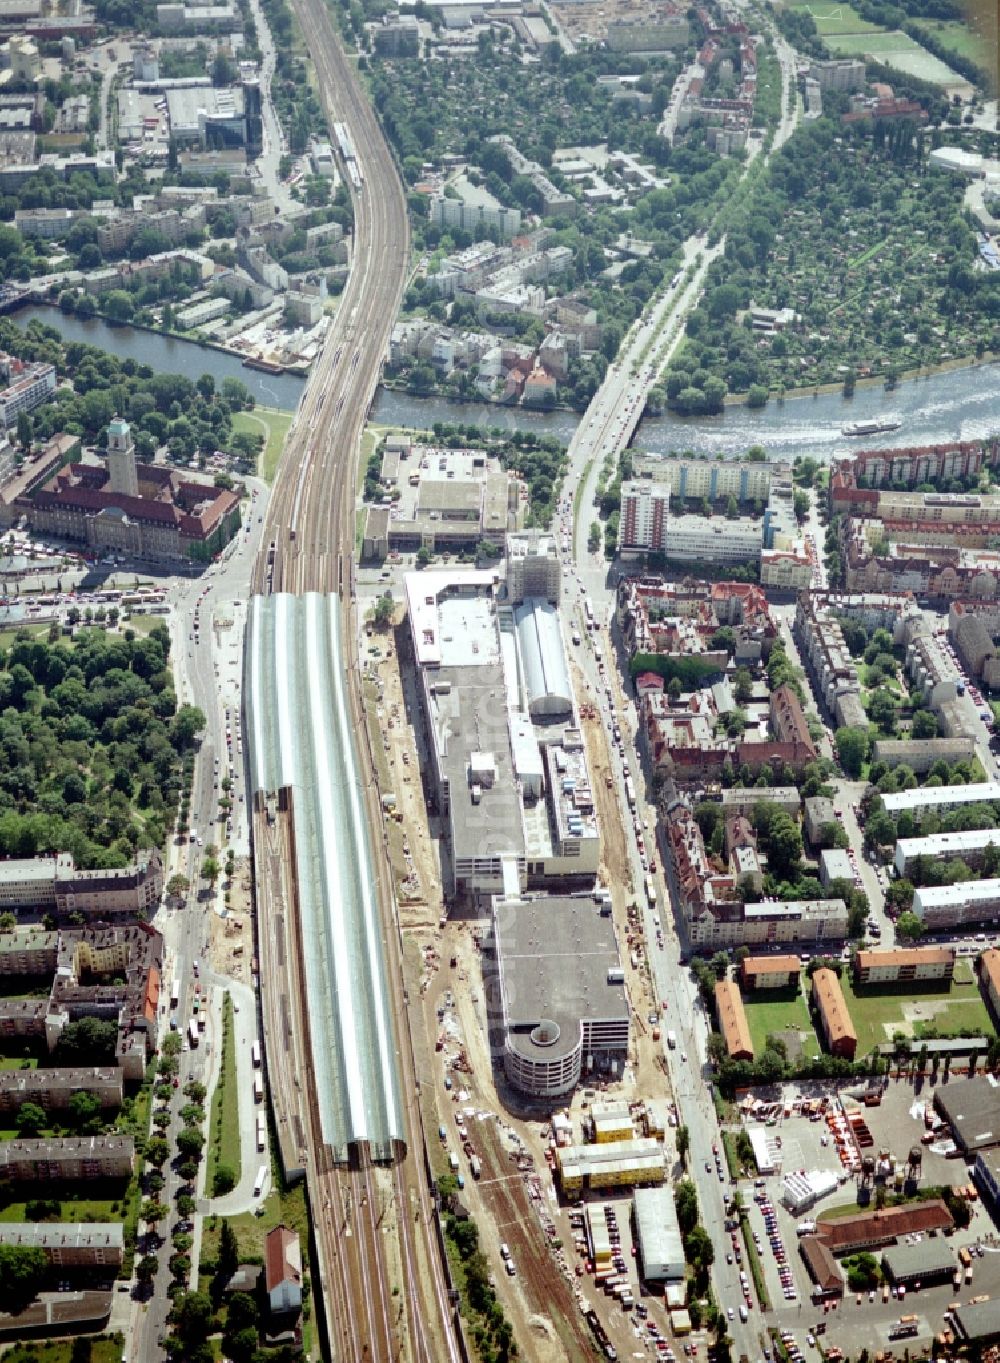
[
  {"x": 190, "y": 1142},
  {"x": 8, "y": 921},
  {"x": 384, "y": 608},
  {"x": 30, "y": 1120},
  {"x": 852, "y": 749},
  {"x": 683, "y": 1142},
  {"x": 924, "y": 725},
  {"x": 193, "y": 1317},
  {"x": 23, "y": 1270},
  {"x": 909, "y": 926},
  {"x": 742, "y": 686},
  {"x": 210, "y": 870},
  {"x": 177, "y": 886},
  {"x": 146, "y": 1268},
  {"x": 223, "y": 1180},
  {"x": 784, "y": 845},
  {"x": 25, "y": 434},
  {"x": 699, "y": 1249},
  {"x": 674, "y": 688},
  {"x": 153, "y": 1212},
  {"x": 229, "y": 1251},
  {"x": 732, "y": 508},
  {"x": 686, "y": 1202},
  {"x": 157, "y": 1151},
  {"x": 84, "y": 1109},
  {"x": 800, "y": 504},
  {"x": 424, "y": 556}
]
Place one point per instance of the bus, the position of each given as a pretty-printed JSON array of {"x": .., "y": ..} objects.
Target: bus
[
  {"x": 258, "y": 1088},
  {"x": 588, "y": 610},
  {"x": 651, "y": 892},
  {"x": 258, "y": 1186},
  {"x": 193, "y": 1033},
  {"x": 261, "y": 1131},
  {"x": 175, "y": 992},
  {"x": 255, "y": 1055}
]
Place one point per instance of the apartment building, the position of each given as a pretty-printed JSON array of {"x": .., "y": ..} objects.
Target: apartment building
[
  {"x": 855, "y": 478},
  {"x": 52, "y": 1088},
  {"x": 770, "y": 972},
  {"x": 786, "y": 569},
  {"x": 788, "y": 721},
  {"x": 947, "y": 906},
  {"x": 832, "y": 1012},
  {"x": 81, "y": 1244},
  {"x": 470, "y": 217},
  {"x": 922, "y": 754},
  {"x": 645, "y": 510},
  {"x": 924, "y": 798},
  {"x": 713, "y": 480},
  {"x": 55, "y": 883},
  {"x": 71, "y": 1159},
  {"x": 732, "y": 1020},
  {"x": 809, "y": 922},
  {"x": 668, "y": 618},
  {"x": 841, "y": 74},
  {"x": 989, "y": 978},
  {"x": 968, "y": 845},
  {"x": 916, "y": 964},
  {"x": 28, "y": 386}
]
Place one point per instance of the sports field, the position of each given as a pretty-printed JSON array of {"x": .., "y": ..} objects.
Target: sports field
[
  {"x": 831, "y": 17},
  {"x": 958, "y": 38},
  {"x": 898, "y": 50}
]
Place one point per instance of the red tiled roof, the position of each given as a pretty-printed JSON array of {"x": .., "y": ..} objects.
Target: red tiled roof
[{"x": 279, "y": 1265}]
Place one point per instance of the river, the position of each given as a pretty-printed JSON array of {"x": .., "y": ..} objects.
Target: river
[{"x": 963, "y": 404}]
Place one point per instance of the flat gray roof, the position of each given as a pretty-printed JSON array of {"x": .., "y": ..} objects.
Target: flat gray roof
[
  {"x": 301, "y": 736},
  {"x": 554, "y": 954},
  {"x": 930, "y": 1257},
  {"x": 972, "y": 1106},
  {"x": 658, "y": 1232},
  {"x": 926, "y": 797},
  {"x": 979, "y": 1322},
  {"x": 470, "y": 717}
]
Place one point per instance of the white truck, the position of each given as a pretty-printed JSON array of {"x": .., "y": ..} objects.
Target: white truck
[{"x": 672, "y": 1040}]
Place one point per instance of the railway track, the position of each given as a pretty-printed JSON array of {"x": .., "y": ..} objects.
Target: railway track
[{"x": 377, "y": 1266}]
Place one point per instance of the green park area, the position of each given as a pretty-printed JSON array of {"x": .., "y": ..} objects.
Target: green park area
[
  {"x": 831, "y": 17},
  {"x": 269, "y": 422},
  {"x": 781, "y": 1012},
  {"x": 102, "y": 1349},
  {"x": 879, "y": 1012}
]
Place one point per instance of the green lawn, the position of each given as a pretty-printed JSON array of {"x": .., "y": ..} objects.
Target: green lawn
[
  {"x": 281, "y": 1207},
  {"x": 224, "y": 1119},
  {"x": 787, "y": 1013},
  {"x": 73, "y": 1208},
  {"x": 267, "y": 421},
  {"x": 103, "y": 1349},
  {"x": 880, "y": 1010},
  {"x": 958, "y": 38},
  {"x": 896, "y": 49},
  {"x": 831, "y": 17}
]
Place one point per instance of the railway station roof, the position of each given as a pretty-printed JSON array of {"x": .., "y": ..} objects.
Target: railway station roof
[{"x": 301, "y": 735}]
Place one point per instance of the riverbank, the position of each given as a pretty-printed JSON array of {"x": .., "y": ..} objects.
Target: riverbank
[{"x": 874, "y": 382}]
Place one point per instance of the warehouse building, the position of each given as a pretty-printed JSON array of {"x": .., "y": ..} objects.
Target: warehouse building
[
  {"x": 619, "y": 1164},
  {"x": 873, "y": 1229},
  {"x": 834, "y": 1017},
  {"x": 904, "y": 964},
  {"x": 968, "y": 845},
  {"x": 658, "y": 1236},
  {"x": 733, "y": 1020},
  {"x": 561, "y": 992},
  {"x": 770, "y": 972},
  {"x": 930, "y": 1261},
  {"x": 828, "y": 1281},
  {"x": 971, "y": 1107},
  {"x": 986, "y": 1172},
  {"x": 977, "y": 1325}
]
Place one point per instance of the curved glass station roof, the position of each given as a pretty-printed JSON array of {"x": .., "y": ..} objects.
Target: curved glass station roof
[{"x": 300, "y": 735}]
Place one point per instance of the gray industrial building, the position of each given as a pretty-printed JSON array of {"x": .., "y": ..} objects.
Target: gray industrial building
[
  {"x": 977, "y": 1324},
  {"x": 971, "y": 1107},
  {"x": 658, "y": 1236},
  {"x": 561, "y": 991},
  {"x": 930, "y": 1261}
]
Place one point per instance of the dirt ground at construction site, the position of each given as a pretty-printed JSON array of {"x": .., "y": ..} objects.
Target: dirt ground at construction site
[{"x": 230, "y": 940}]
